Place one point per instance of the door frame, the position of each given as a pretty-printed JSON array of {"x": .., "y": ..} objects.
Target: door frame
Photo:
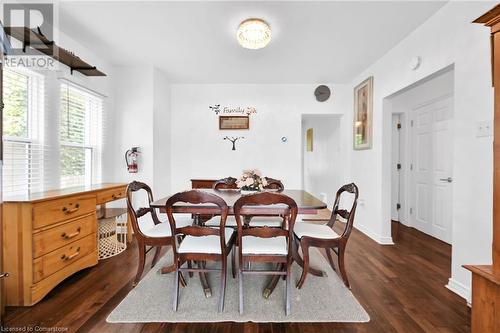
[
  {"x": 385, "y": 236},
  {"x": 410, "y": 192}
]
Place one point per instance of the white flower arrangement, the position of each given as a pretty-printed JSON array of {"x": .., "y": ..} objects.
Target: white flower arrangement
[{"x": 251, "y": 180}]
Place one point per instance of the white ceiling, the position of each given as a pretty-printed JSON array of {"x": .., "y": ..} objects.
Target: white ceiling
[{"x": 194, "y": 42}]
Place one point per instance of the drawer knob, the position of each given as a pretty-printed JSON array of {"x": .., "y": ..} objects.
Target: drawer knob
[
  {"x": 64, "y": 257},
  {"x": 67, "y": 210},
  {"x": 72, "y": 235},
  {"x": 116, "y": 196}
]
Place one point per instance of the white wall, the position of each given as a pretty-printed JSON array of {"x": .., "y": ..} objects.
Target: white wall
[
  {"x": 162, "y": 134},
  {"x": 142, "y": 119},
  {"x": 133, "y": 123},
  {"x": 446, "y": 38},
  {"x": 198, "y": 148},
  {"x": 323, "y": 171}
]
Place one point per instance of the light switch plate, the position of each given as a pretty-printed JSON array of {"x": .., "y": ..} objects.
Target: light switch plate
[{"x": 484, "y": 128}]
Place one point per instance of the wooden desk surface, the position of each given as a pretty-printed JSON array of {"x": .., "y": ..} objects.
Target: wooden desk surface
[
  {"x": 306, "y": 203},
  {"x": 60, "y": 193}
]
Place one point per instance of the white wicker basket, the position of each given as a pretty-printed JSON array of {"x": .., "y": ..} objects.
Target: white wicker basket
[{"x": 112, "y": 236}]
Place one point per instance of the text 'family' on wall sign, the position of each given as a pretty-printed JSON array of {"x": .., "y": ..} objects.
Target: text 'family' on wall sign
[{"x": 239, "y": 110}]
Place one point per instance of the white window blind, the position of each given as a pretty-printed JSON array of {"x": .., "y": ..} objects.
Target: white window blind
[
  {"x": 80, "y": 135},
  {"x": 23, "y": 94}
]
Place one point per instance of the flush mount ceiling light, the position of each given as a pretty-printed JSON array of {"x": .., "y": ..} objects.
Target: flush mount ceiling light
[{"x": 254, "y": 33}]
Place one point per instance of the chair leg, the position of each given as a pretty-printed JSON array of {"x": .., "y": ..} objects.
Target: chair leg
[
  {"x": 233, "y": 262},
  {"x": 156, "y": 257},
  {"x": 176, "y": 289},
  {"x": 330, "y": 259},
  {"x": 288, "y": 288},
  {"x": 342, "y": 267},
  {"x": 223, "y": 284},
  {"x": 240, "y": 281},
  {"x": 142, "y": 259},
  {"x": 190, "y": 265},
  {"x": 305, "y": 267},
  {"x": 182, "y": 280}
]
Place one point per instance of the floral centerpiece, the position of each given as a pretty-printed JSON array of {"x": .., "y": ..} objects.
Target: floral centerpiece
[{"x": 251, "y": 181}]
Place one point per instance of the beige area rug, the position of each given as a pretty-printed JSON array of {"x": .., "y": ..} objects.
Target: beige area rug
[{"x": 323, "y": 299}]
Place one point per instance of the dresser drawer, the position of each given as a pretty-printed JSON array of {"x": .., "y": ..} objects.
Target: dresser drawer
[
  {"x": 53, "y": 211},
  {"x": 52, "y": 239},
  {"x": 110, "y": 195},
  {"x": 58, "y": 259}
]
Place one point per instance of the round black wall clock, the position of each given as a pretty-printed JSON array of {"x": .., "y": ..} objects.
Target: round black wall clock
[{"x": 322, "y": 93}]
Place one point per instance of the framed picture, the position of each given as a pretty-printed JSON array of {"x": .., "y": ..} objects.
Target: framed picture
[
  {"x": 363, "y": 105},
  {"x": 309, "y": 139},
  {"x": 234, "y": 122}
]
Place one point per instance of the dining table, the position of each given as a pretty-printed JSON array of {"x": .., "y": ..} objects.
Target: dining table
[{"x": 306, "y": 204}]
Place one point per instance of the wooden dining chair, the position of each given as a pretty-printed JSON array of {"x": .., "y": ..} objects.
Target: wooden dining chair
[
  {"x": 148, "y": 229},
  {"x": 265, "y": 244},
  {"x": 225, "y": 183},
  {"x": 229, "y": 183},
  {"x": 274, "y": 184},
  {"x": 323, "y": 235},
  {"x": 273, "y": 220},
  {"x": 200, "y": 243}
]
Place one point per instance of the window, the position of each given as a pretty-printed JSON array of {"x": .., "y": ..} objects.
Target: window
[
  {"x": 22, "y": 136},
  {"x": 80, "y": 135}
]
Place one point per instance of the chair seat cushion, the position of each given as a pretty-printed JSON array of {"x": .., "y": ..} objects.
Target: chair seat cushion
[
  {"x": 258, "y": 245},
  {"x": 158, "y": 230},
  {"x": 204, "y": 244},
  {"x": 163, "y": 229},
  {"x": 256, "y": 221},
  {"x": 266, "y": 221},
  {"x": 314, "y": 230}
]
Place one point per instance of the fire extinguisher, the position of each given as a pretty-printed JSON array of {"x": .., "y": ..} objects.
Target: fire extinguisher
[{"x": 131, "y": 157}]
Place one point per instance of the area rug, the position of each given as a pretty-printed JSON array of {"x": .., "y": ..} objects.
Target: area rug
[{"x": 322, "y": 299}]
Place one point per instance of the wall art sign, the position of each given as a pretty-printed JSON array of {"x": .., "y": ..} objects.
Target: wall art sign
[
  {"x": 234, "y": 122},
  {"x": 309, "y": 139},
  {"x": 238, "y": 110},
  {"x": 233, "y": 140},
  {"x": 363, "y": 105}
]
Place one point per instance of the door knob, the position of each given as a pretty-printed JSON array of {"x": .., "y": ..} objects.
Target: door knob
[
  {"x": 449, "y": 179},
  {"x": 4, "y": 275}
]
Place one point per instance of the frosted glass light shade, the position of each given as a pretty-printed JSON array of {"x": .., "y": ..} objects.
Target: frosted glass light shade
[{"x": 254, "y": 34}]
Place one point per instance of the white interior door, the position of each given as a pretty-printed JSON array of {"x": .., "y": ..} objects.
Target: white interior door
[{"x": 431, "y": 167}]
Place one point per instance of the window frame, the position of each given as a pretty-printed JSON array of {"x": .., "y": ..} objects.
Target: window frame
[
  {"x": 34, "y": 138},
  {"x": 91, "y": 134}
]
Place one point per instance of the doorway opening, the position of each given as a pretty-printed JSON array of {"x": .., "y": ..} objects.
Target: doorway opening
[
  {"x": 421, "y": 167},
  {"x": 322, "y": 172}
]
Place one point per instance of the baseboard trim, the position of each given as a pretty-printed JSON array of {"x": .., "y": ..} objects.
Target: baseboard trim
[
  {"x": 376, "y": 237},
  {"x": 459, "y": 289}
]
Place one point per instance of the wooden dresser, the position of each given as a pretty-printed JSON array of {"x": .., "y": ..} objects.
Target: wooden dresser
[{"x": 50, "y": 235}]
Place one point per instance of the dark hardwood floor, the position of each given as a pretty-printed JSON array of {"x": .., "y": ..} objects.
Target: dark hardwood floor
[{"x": 400, "y": 286}]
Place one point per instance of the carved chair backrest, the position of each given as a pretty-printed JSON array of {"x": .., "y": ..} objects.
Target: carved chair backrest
[
  {"x": 136, "y": 214},
  {"x": 225, "y": 184},
  {"x": 274, "y": 184},
  {"x": 197, "y": 197},
  {"x": 348, "y": 215}
]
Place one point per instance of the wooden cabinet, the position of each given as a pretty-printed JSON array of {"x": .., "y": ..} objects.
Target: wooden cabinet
[
  {"x": 202, "y": 183},
  {"x": 486, "y": 278},
  {"x": 49, "y": 236}
]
